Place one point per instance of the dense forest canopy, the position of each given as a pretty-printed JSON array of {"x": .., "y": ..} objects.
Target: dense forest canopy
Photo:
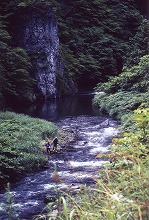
[
  {"x": 100, "y": 37},
  {"x": 97, "y": 39}
]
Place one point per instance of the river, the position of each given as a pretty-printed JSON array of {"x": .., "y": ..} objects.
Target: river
[{"x": 75, "y": 166}]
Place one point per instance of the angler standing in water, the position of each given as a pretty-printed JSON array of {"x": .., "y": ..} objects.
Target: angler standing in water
[
  {"x": 55, "y": 143},
  {"x": 48, "y": 146}
]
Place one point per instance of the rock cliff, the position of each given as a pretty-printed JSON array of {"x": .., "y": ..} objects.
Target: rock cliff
[{"x": 42, "y": 44}]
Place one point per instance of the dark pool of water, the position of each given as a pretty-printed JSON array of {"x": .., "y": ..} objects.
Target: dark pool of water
[{"x": 54, "y": 109}]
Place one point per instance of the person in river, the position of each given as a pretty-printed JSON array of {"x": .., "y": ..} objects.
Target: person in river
[
  {"x": 48, "y": 146},
  {"x": 55, "y": 143}
]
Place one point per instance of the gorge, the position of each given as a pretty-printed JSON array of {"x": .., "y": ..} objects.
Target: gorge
[
  {"x": 67, "y": 47},
  {"x": 55, "y": 55}
]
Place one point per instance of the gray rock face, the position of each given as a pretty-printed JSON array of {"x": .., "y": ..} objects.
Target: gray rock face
[{"x": 42, "y": 43}]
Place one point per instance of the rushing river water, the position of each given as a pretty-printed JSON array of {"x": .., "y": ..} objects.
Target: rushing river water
[{"x": 76, "y": 165}]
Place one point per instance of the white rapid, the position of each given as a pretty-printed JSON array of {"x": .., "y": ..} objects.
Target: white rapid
[{"x": 75, "y": 165}]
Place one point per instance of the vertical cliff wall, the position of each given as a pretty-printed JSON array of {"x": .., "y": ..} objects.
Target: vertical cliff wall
[
  {"x": 42, "y": 43},
  {"x": 34, "y": 28}
]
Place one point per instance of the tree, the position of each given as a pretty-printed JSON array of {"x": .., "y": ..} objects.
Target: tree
[
  {"x": 96, "y": 36},
  {"x": 16, "y": 84}
]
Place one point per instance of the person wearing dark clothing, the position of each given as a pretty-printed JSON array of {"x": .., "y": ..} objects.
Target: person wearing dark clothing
[
  {"x": 48, "y": 145},
  {"x": 55, "y": 143}
]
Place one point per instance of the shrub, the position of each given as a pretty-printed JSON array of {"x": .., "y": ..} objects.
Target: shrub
[
  {"x": 120, "y": 103},
  {"x": 131, "y": 79},
  {"x": 20, "y": 143}
]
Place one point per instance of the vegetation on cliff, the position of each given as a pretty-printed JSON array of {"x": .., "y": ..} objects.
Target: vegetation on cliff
[
  {"x": 99, "y": 38},
  {"x": 16, "y": 83},
  {"x": 126, "y": 92}
]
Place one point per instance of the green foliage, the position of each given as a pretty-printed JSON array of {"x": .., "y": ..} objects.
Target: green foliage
[
  {"x": 120, "y": 103},
  {"x": 131, "y": 79},
  {"x": 138, "y": 45},
  {"x": 16, "y": 82},
  {"x": 40, "y": 6},
  {"x": 125, "y": 92},
  {"x": 20, "y": 143},
  {"x": 141, "y": 117},
  {"x": 8, "y": 205},
  {"x": 98, "y": 36}
]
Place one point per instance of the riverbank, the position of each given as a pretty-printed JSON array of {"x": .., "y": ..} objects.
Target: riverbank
[
  {"x": 22, "y": 144},
  {"x": 123, "y": 94},
  {"x": 121, "y": 190},
  {"x": 66, "y": 171}
]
